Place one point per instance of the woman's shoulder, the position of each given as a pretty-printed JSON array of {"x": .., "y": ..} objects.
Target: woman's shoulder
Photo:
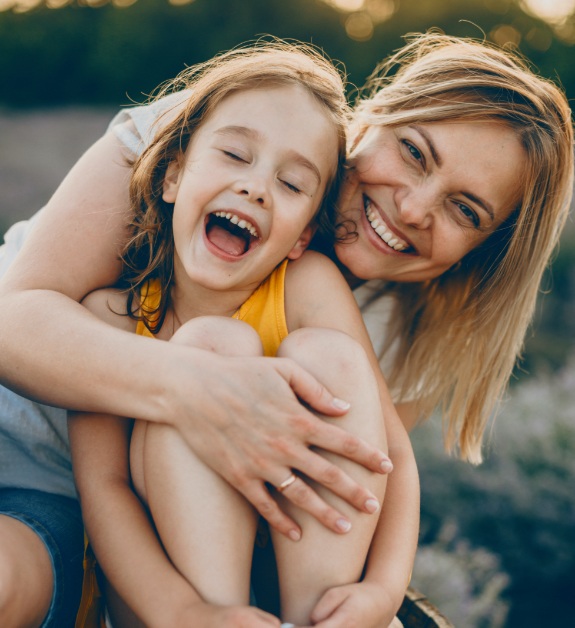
[{"x": 136, "y": 126}]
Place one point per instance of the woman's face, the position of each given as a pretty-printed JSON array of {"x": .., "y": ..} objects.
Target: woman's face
[{"x": 422, "y": 196}]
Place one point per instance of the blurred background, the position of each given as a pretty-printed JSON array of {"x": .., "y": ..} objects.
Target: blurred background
[{"x": 498, "y": 541}]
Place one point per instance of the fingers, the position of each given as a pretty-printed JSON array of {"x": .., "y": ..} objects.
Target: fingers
[
  {"x": 304, "y": 497},
  {"x": 309, "y": 390},
  {"x": 338, "y": 482},
  {"x": 257, "y": 494},
  {"x": 334, "y": 439},
  {"x": 322, "y": 434}
]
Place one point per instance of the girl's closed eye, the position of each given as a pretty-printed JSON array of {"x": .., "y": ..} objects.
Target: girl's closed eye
[
  {"x": 235, "y": 154},
  {"x": 292, "y": 187}
]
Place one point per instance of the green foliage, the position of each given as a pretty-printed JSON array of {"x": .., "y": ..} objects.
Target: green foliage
[
  {"x": 520, "y": 504},
  {"x": 80, "y": 54}
]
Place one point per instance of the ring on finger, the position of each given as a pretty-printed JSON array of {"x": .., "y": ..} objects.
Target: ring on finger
[{"x": 287, "y": 482}]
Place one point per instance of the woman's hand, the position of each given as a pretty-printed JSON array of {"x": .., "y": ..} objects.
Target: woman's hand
[
  {"x": 359, "y": 605},
  {"x": 250, "y": 427}
]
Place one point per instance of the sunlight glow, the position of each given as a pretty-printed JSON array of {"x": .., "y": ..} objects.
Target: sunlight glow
[
  {"x": 346, "y": 5},
  {"x": 553, "y": 11}
]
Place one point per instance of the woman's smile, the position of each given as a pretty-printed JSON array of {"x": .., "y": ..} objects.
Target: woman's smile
[{"x": 421, "y": 197}]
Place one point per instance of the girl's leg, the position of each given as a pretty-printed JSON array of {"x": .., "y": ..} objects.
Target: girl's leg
[
  {"x": 206, "y": 527},
  {"x": 323, "y": 559}
]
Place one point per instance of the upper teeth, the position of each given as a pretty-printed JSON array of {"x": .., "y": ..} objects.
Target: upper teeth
[
  {"x": 240, "y": 222},
  {"x": 381, "y": 229}
]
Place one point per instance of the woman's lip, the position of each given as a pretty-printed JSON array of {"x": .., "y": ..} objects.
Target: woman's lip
[{"x": 397, "y": 237}]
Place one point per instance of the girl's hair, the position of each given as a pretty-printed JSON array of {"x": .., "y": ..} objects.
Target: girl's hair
[
  {"x": 260, "y": 65},
  {"x": 460, "y": 334}
]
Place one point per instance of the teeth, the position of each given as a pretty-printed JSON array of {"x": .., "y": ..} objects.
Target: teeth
[
  {"x": 381, "y": 229},
  {"x": 240, "y": 222}
]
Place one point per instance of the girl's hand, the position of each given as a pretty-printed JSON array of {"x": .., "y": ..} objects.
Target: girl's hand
[
  {"x": 251, "y": 428},
  {"x": 360, "y": 605}
]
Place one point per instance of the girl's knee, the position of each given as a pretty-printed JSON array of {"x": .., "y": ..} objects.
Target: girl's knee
[
  {"x": 342, "y": 365},
  {"x": 331, "y": 350},
  {"x": 226, "y": 336}
]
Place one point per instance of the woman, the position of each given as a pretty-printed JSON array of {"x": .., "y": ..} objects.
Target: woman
[{"x": 460, "y": 182}]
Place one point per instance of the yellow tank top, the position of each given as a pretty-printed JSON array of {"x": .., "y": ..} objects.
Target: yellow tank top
[{"x": 264, "y": 310}]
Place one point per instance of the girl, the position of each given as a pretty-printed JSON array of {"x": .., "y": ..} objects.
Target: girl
[
  {"x": 452, "y": 342},
  {"x": 220, "y": 197}
]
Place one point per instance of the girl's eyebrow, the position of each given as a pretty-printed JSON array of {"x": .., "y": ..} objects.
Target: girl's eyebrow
[
  {"x": 439, "y": 162},
  {"x": 253, "y": 134}
]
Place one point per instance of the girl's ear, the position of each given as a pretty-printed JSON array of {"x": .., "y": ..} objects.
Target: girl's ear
[
  {"x": 171, "y": 182},
  {"x": 302, "y": 243}
]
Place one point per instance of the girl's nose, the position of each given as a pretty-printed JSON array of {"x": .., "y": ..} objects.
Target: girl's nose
[{"x": 255, "y": 188}]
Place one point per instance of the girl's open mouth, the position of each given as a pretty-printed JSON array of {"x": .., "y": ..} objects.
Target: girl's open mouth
[{"x": 230, "y": 233}]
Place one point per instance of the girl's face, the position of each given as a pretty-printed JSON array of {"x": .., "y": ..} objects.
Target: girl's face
[
  {"x": 253, "y": 177},
  {"x": 422, "y": 196}
]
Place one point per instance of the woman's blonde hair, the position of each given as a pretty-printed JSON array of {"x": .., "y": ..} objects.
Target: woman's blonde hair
[
  {"x": 461, "y": 333},
  {"x": 263, "y": 64}
]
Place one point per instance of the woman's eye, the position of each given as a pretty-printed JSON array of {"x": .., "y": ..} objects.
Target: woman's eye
[
  {"x": 468, "y": 214},
  {"x": 414, "y": 152}
]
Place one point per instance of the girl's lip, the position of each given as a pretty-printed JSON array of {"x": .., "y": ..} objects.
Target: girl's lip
[
  {"x": 228, "y": 257},
  {"x": 399, "y": 239}
]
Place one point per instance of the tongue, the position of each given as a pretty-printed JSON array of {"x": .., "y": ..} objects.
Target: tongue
[{"x": 226, "y": 241}]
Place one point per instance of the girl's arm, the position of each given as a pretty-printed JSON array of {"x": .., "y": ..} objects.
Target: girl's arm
[
  {"x": 56, "y": 351},
  {"x": 319, "y": 297}
]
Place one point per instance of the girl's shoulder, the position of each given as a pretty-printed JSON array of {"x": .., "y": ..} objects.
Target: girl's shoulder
[
  {"x": 315, "y": 291},
  {"x": 109, "y": 305}
]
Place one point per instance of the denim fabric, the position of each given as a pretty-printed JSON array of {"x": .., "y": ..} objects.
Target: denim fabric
[{"x": 58, "y": 522}]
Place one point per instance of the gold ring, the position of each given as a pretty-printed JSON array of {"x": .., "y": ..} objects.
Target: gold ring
[{"x": 282, "y": 487}]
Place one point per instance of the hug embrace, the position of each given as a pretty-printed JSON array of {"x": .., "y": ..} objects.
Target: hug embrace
[{"x": 205, "y": 270}]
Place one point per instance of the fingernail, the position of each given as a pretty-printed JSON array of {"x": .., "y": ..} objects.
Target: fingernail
[
  {"x": 294, "y": 535},
  {"x": 386, "y": 465},
  {"x": 343, "y": 525},
  {"x": 372, "y": 505},
  {"x": 340, "y": 404}
]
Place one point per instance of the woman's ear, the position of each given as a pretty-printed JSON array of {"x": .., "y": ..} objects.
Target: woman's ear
[
  {"x": 302, "y": 243},
  {"x": 171, "y": 182}
]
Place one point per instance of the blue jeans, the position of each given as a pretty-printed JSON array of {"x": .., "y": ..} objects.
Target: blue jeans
[{"x": 57, "y": 520}]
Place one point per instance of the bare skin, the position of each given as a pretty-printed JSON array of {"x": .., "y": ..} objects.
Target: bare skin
[
  {"x": 182, "y": 375},
  {"x": 26, "y": 579}
]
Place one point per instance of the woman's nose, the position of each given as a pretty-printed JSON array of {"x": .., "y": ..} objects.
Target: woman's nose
[{"x": 416, "y": 208}]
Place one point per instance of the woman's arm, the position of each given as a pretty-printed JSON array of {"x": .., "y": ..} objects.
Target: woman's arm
[
  {"x": 324, "y": 300},
  {"x": 56, "y": 351}
]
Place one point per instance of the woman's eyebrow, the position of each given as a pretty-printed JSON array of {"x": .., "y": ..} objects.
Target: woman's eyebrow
[
  {"x": 256, "y": 135},
  {"x": 439, "y": 162},
  {"x": 430, "y": 145}
]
